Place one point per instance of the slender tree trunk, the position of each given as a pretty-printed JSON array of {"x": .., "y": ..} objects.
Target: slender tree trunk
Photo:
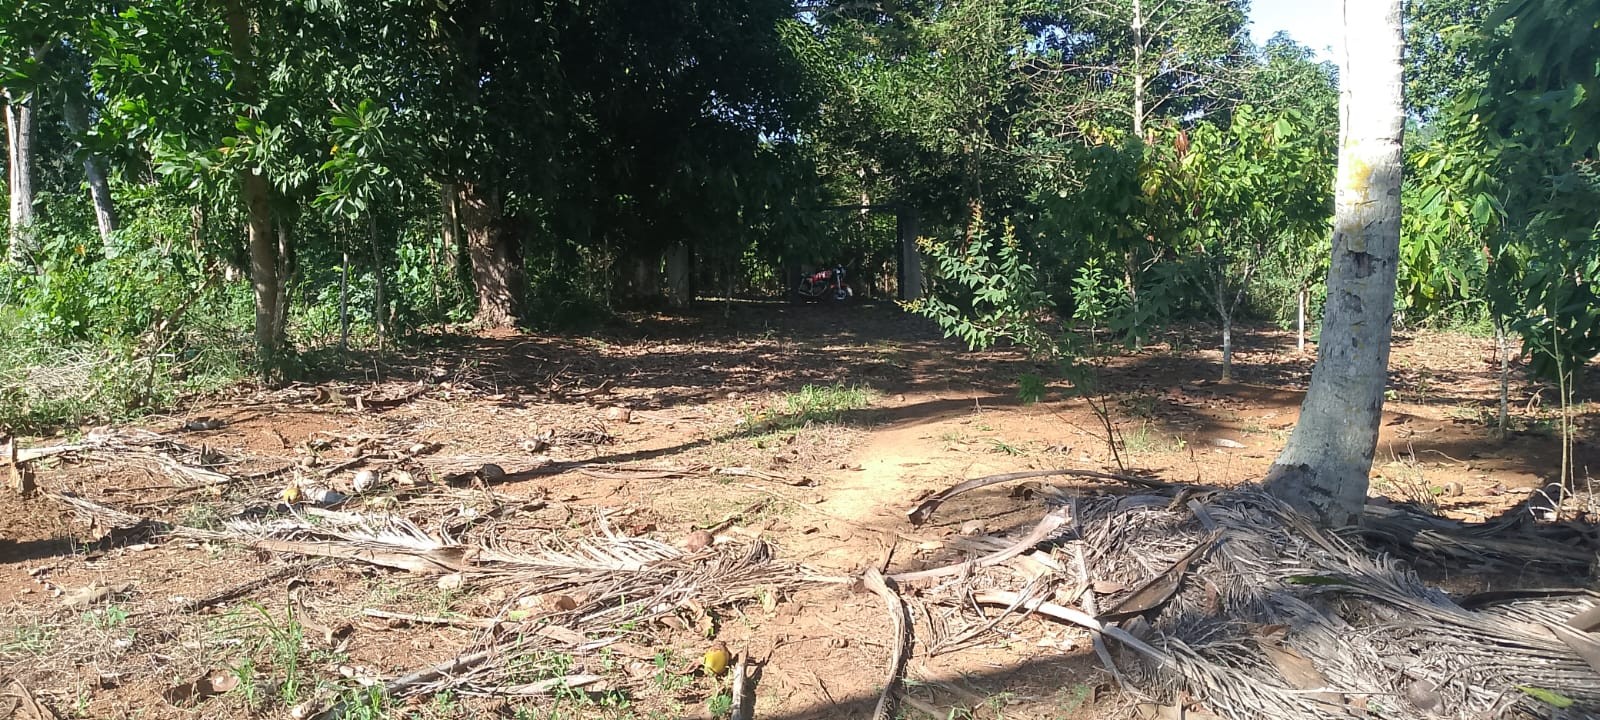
[
  {"x": 105, "y": 216},
  {"x": 1227, "y": 348},
  {"x": 344, "y": 300},
  {"x": 380, "y": 305},
  {"x": 1502, "y": 345},
  {"x": 910, "y": 255},
  {"x": 265, "y": 262},
  {"x": 264, "y": 279},
  {"x": 680, "y": 267},
  {"x": 1324, "y": 469},
  {"x": 1138, "y": 69},
  {"x": 19, "y": 160},
  {"x": 284, "y": 226},
  {"x": 493, "y": 274},
  {"x": 450, "y": 223},
  {"x": 1300, "y": 322}
]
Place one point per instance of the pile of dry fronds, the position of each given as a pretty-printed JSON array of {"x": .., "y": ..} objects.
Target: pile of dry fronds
[{"x": 1227, "y": 603}]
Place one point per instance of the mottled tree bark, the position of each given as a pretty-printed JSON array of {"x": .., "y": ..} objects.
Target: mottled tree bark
[
  {"x": 265, "y": 278},
  {"x": 19, "y": 162},
  {"x": 1324, "y": 469},
  {"x": 493, "y": 273},
  {"x": 105, "y": 215}
]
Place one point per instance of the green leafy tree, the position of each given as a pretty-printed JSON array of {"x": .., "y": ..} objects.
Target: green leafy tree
[
  {"x": 1543, "y": 117},
  {"x": 1258, "y": 186}
]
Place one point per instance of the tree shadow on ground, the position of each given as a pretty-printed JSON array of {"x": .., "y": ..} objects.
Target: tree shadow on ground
[
  {"x": 767, "y": 347},
  {"x": 14, "y": 551}
]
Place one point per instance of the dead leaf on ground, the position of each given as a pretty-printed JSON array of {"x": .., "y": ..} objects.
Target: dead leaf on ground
[
  {"x": 93, "y": 595},
  {"x": 196, "y": 691}
]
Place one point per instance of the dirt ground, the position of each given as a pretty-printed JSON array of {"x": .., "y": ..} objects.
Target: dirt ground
[{"x": 897, "y": 413}]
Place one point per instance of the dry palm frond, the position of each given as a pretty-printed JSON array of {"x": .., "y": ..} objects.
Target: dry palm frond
[{"x": 1285, "y": 621}]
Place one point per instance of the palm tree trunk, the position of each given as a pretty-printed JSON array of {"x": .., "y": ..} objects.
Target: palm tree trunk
[{"x": 1324, "y": 469}]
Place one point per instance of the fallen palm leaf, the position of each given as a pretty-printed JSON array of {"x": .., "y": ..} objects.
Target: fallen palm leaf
[
  {"x": 1159, "y": 589},
  {"x": 1076, "y": 617},
  {"x": 1046, "y": 528},
  {"x": 874, "y": 581}
]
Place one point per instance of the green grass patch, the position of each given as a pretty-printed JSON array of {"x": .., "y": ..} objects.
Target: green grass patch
[
  {"x": 824, "y": 403},
  {"x": 810, "y": 405}
]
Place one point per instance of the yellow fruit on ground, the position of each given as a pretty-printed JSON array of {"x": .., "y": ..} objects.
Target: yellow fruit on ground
[{"x": 717, "y": 659}]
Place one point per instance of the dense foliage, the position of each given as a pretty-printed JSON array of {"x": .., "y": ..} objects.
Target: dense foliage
[{"x": 193, "y": 177}]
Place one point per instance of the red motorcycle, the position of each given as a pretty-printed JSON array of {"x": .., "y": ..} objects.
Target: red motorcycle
[{"x": 827, "y": 285}]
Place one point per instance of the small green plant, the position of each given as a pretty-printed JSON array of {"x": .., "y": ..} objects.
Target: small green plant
[
  {"x": 720, "y": 705},
  {"x": 29, "y": 639},
  {"x": 369, "y": 703},
  {"x": 200, "y": 516},
  {"x": 1031, "y": 388},
  {"x": 108, "y": 618},
  {"x": 1002, "y": 447},
  {"x": 1073, "y": 697},
  {"x": 282, "y": 640},
  {"x": 245, "y": 672},
  {"x": 666, "y": 680}
]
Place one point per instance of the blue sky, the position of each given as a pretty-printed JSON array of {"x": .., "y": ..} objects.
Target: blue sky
[{"x": 1313, "y": 23}]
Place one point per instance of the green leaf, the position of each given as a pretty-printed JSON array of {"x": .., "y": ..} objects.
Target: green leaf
[{"x": 1548, "y": 697}]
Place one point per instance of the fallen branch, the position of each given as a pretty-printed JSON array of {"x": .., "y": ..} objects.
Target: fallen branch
[
  {"x": 25, "y": 455},
  {"x": 545, "y": 687},
  {"x": 923, "y": 511},
  {"x": 874, "y": 581},
  {"x": 294, "y": 568},
  {"x": 417, "y": 562},
  {"x": 744, "y": 703},
  {"x": 478, "y": 623}
]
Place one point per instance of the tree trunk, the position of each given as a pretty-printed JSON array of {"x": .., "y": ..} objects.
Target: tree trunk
[
  {"x": 1138, "y": 70},
  {"x": 265, "y": 261},
  {"x": 450, "y": 224},
  {"x": 1227, "y": 348},
  {"x": 344, "y": 300},
  {"x": 910, "y": 255},
  {"x": 105, "y": 216},
  {"x": 264, "y": 279},
  {"x": 380, "y": 309},
  {"x": 1300, "y": 322},
  {"x": 493, "y": 274},
  {"x": 680, "y": 264},
  {"x": 1502, "y": 345},
  {"x": 284, "y": 227},
  {"x": 1323, "y": 471},
  {"x": 19, "y": 159}
]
